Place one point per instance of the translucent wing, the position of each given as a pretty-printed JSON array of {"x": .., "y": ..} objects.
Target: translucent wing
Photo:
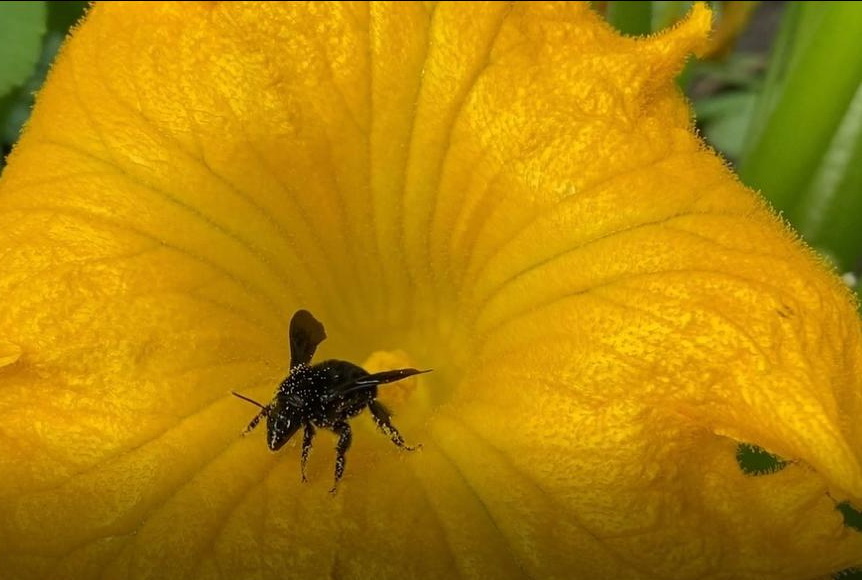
[
  {"x": 378, "y": 379},
  {"x": 306, "y": 332}
]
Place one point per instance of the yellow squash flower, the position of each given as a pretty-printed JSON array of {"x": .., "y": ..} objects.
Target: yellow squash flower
[{"x": 510, "y": 194}]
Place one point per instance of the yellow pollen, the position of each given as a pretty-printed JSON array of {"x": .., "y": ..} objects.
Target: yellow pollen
[{"x": 394, "y": 394}]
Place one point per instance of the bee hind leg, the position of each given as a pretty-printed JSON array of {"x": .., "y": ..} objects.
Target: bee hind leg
[{"x": 383, "y": 418}]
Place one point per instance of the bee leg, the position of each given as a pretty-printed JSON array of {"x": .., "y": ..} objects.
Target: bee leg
[
  {"x": 250, "y": 427},
  {"x": 342, "y": 429},
  {"x": 264, "y": 412},
  {"x": 307, "y": 436},
  {"x": 384, "y": 421}
]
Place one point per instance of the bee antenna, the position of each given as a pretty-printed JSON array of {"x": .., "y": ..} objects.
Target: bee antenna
[{"x": 252, "y": 401}]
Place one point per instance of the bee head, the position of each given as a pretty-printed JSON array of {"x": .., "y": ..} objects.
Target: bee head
[{"x": 282, "y": 422}]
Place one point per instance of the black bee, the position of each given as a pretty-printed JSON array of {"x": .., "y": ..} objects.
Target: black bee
[{"x": 324, "y": 395}]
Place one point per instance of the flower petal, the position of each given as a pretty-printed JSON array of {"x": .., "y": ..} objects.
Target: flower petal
[{"x": 510, "y": 194}]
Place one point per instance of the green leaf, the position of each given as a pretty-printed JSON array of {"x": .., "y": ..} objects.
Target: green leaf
[
  {"x": 724, "y": 119},
  {"x": 15, "y": 106},
  {"x": 852, "y": 517},
  {"x": 666, "y": 13},
  {"x": 22, "y": 25},
  {"x": 632, "y": 18},
  {"x": 754, "y": 460},
  {"x": 829, "y": 211},
  {"x": 64, "y": 13},
  {"x": 815, "y": 73}
]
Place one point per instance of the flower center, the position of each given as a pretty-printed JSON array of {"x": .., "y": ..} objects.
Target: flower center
[{"x": 399, "y": 393}]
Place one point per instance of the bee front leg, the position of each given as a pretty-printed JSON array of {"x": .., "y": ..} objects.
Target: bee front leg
[
  {"x": 307, "y": 436},
  {"x": 264, "y": 412},
  {"x": 384, "y": 421},
  {"x": 342, "y": 429},
  {"x": 254, "y": 422}
]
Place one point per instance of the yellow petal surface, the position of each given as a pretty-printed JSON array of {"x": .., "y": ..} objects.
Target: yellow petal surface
[{"x": 510, "y": 194}]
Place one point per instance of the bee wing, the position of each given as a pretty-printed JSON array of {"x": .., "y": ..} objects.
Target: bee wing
[
  {"x": 306, "y": 332},
  {"x": 378, "y": 379}
]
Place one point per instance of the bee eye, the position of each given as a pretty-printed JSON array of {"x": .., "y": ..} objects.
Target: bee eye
[{"x": 280, "y": 428}]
